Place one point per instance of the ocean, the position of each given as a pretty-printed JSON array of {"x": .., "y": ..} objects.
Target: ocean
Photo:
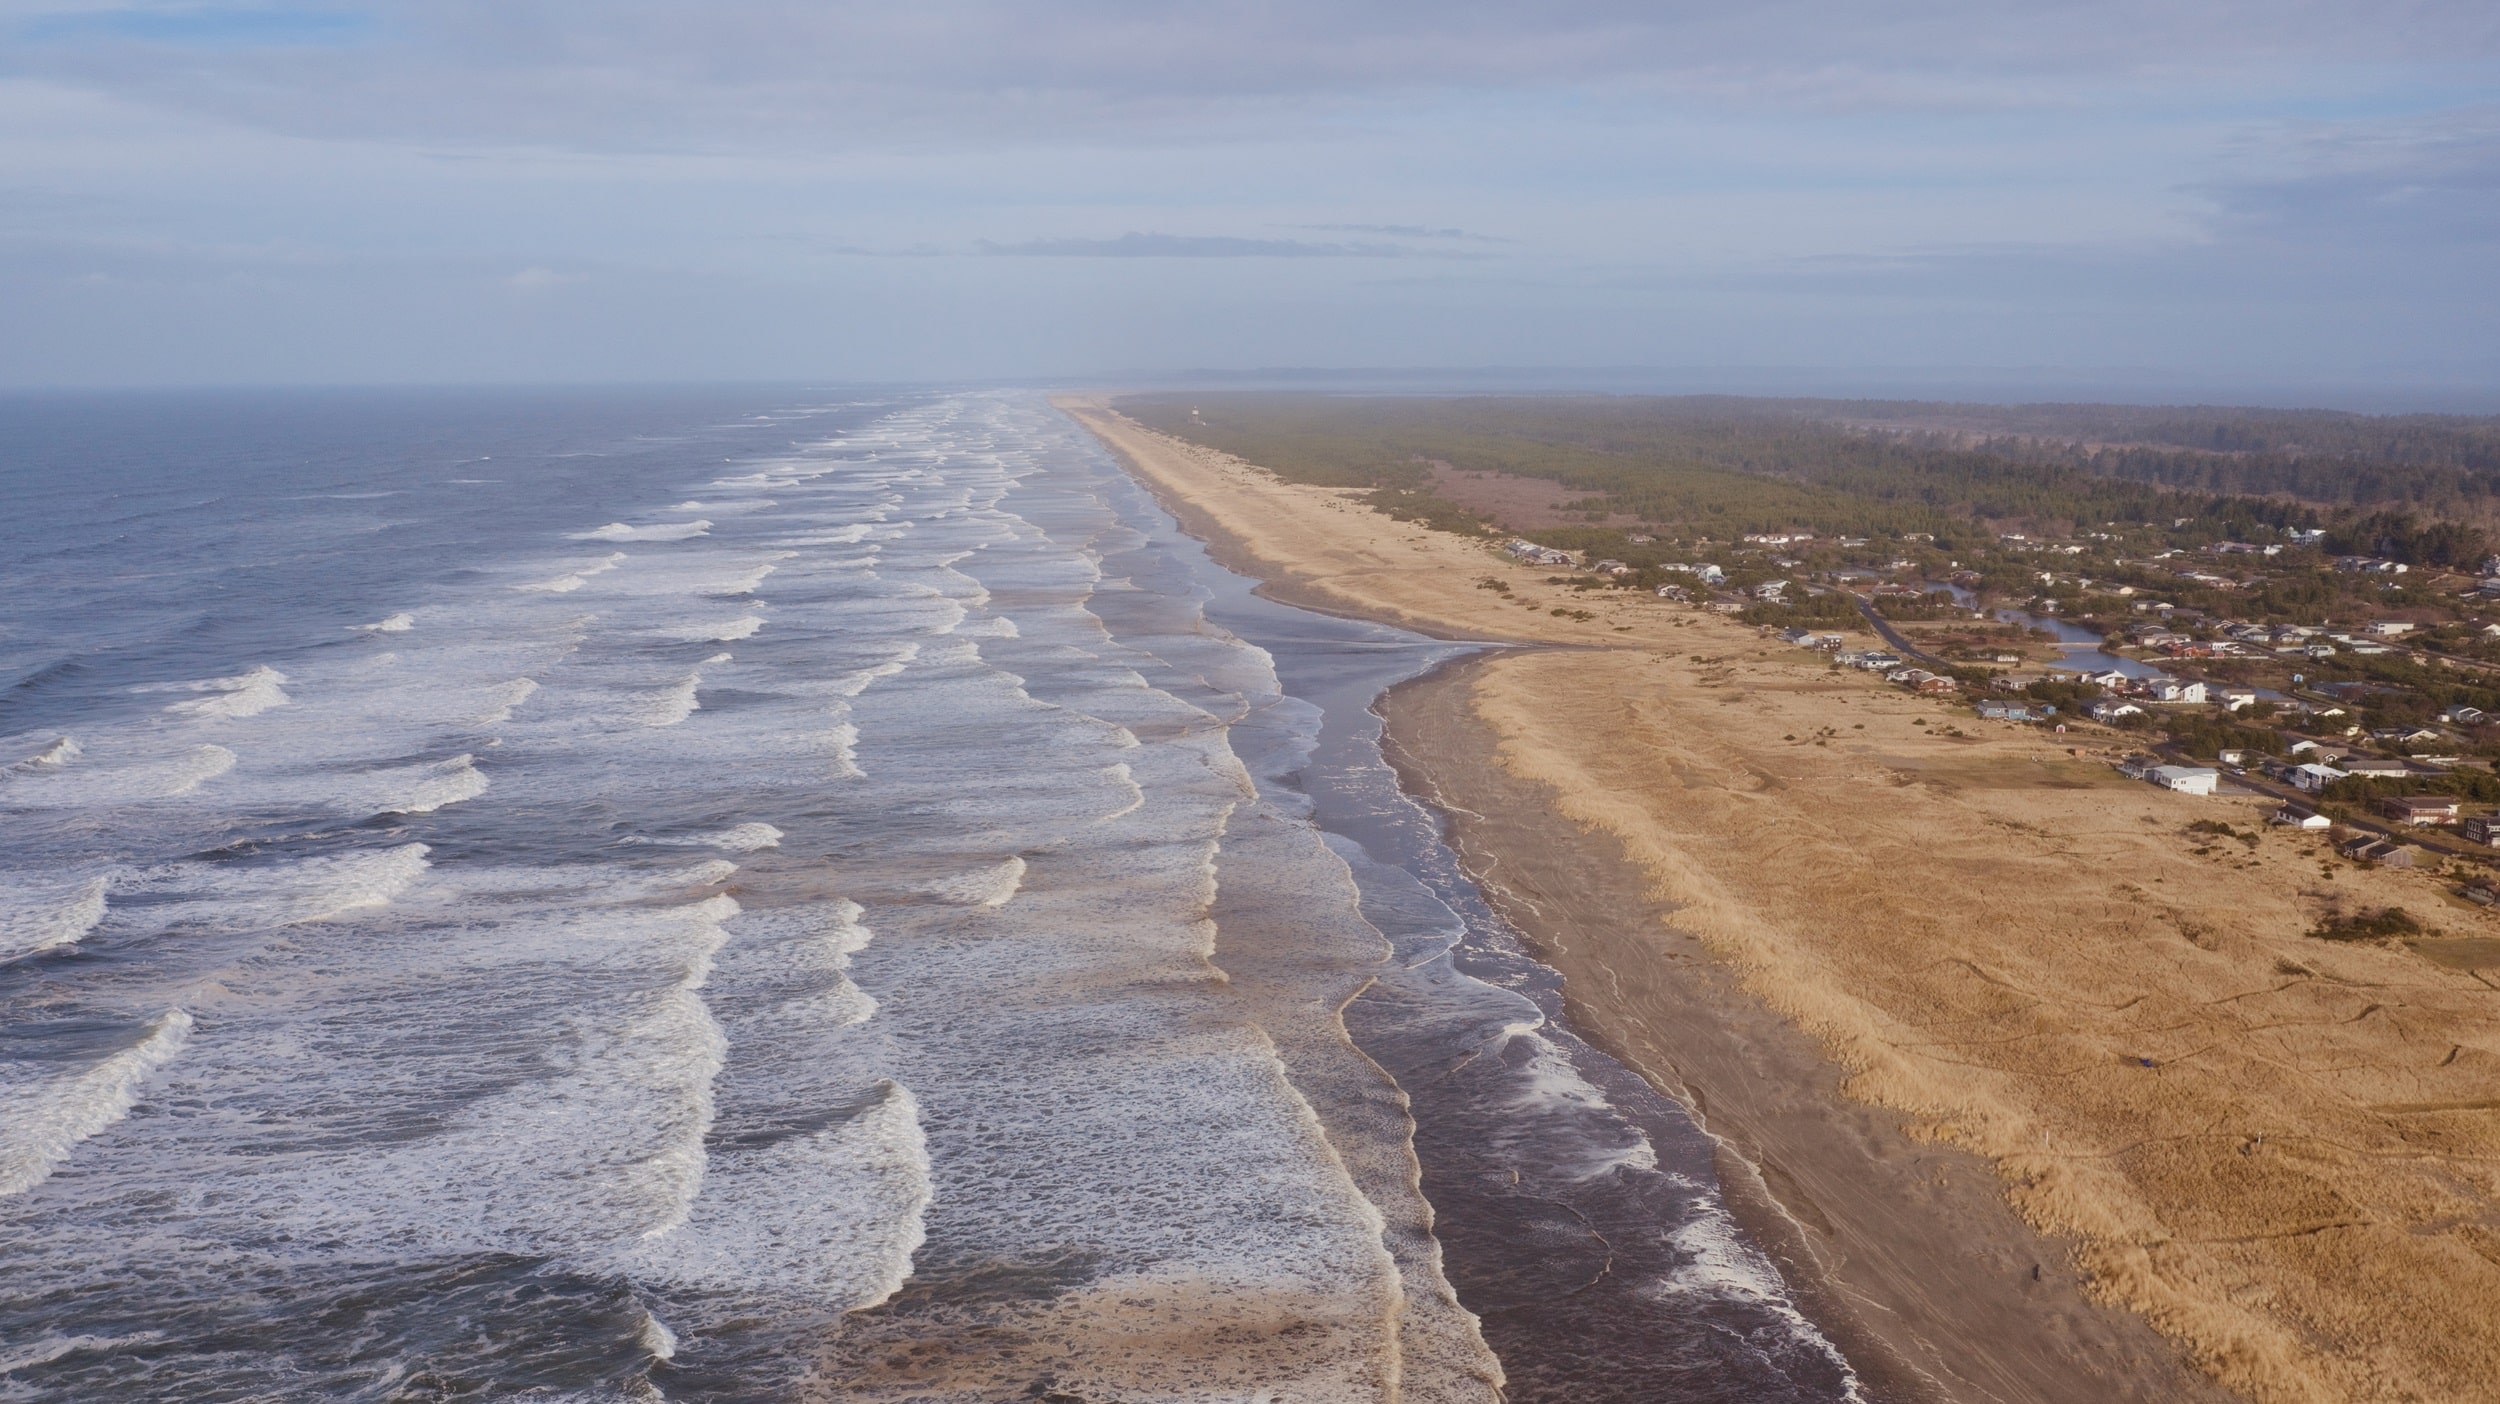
[{"x": 761, "y": 894}]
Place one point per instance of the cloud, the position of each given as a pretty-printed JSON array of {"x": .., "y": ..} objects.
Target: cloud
[
  {"x": 1409, "y": 231},
  {"x": 1188, "y": 246},
  {"x": 660, "y": 74}
]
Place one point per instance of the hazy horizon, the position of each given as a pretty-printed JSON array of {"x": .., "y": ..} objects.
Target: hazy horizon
[{"x": 2217, "y": 202}]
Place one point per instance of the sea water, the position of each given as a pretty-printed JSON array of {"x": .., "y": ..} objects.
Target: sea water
[{"x": 758, "y": 895}]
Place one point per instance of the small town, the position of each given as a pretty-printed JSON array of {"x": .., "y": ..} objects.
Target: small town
[{"x": 2360, "y": 693}]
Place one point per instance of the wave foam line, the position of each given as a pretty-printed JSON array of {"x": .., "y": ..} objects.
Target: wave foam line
[
  {"x": 991, "y": 887},
  {"x": 40, "y": 1128},
  {"x": 197, "y": 769},
  {"x": 52, "y": 757},
  {"x": 31, "y": 924},
  {"x": 243, "y": 695},
  {"x": 360, "y": 880},
  {"x": 657, "y": 531},
  {"x": 396, "y": 624},
  {"x": 741, "y": 838},
  {"x": 572, "y": 580}
]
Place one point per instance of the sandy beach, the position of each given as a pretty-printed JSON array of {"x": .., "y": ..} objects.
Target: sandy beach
[{"x": 2037, "y": 1094}]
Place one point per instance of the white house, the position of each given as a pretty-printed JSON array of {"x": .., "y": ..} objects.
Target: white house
[
  {"x": 2173, "y": 690},
  {"x": 2186, "y": 779},
  {"x": 2107, "y": 710},
  {"x": 2300, "y": 818},
  {"x": 2314, "y": 777},
  {"x": 2390, "y": 628}
]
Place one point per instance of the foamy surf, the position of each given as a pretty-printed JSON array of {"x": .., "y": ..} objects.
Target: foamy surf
[
  {"x": 990, "y": 887},
  {"x": 42, "y": 1120},
  {"x": 658, "y": 531},
  {"x": 243, "y": 695},
  {"x": 35, "y": 919},
  {"x": 52, "y": 757},
  {"x": 396, "y": 624}
]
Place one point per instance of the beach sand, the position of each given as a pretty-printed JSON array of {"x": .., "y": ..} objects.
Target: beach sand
[{"x": 2036, "y": 1093}]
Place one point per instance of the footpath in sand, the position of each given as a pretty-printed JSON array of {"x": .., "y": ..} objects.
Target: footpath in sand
[{"x": 1923, "y": 974}]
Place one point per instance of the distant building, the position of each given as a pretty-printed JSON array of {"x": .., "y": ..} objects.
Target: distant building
[
  {"x": 2390, "y": 628},
  {"x": 2106, "y": 710},
  {"x": 2420, "y": 809},
  {"x": 2186, "y": 779},
  {"x": 2376, "y": 851},
  {"x": 2294, "y": 816},
  {"x": 2483, "y": 829},
  {"x": 2314, "y": 777}
]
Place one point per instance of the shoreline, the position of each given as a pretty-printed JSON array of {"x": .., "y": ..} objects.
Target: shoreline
[
  {"x": 2276, "y": 1151},
  {"x": 1904, "y": 1252}
]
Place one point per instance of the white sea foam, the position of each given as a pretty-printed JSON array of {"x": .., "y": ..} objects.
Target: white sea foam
[
  {"x": 990, "y": 887},
  {"x": 506, "y": 698},
  {"x": 575, "y": 578},
  {"x": 319, "y": 889},
  {"x": 51, "y": 1348},
  {"x": 396, "y": 624},
  {"x": 43, "y": 1120},
  {"x": 1121, "y": 776},
  {"x": 658, "y": 531},
  {"x": 195, "y": 770},
  {"x": 844, "y": 740},
  {"x": 40, "y": 918},
  {"x": 742, "y": 838},
  {"x": 746, "y": 582},
  {"x": 834, "y": 1216},
  {"x": 52, "y": 757},
  {"x": 419, "y": 789},
  {"x": 243, "y": 695},
  {"x": 730, "y": 632},
  {"x": 656, "y": 1337}
]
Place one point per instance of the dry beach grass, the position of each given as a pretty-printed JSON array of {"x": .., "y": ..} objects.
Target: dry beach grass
[{"x": 1863, "y": 945}]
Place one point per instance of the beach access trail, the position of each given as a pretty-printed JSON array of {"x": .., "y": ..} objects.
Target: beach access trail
[{"x": 2035, "y": 1092}]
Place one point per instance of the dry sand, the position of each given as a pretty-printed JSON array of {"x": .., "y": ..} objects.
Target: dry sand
[{"x": 1921, "y": 983}]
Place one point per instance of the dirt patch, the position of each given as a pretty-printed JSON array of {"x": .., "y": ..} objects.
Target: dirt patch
[{"x": 1520, "y": 504}]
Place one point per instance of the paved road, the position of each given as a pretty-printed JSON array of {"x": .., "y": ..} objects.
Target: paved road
[{"x": 1890, "y": 635}]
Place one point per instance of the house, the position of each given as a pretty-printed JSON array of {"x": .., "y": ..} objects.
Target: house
[
  {"x": 1533, "y": 554},
  {"x": 1674, "y": 592},
  {"x": 2106, "y": 711},
  {"x": 2186, "y": 779},
  {"x": 2294, "y": 816},
  {"x": 2390, "y": 628},
  {"x": 2300, "y": 746},
  {"x": 2420, "y": 809},
  {"x": 1878, "y": 661},
  {"x": 2462, "y": 715},
  {"x": 2004, "y": 711},
  {"x": 2406, "y": 736},
  {"x": 2138, "y": 766},
  {"x": 1611, "y": 568},
  {"x": 2376, "y": 851},
  {"x": 2173, "y": 690},
  {"x": 2375, "y": 768},
  {"x": 1802, "y": 638},
  {"x": 1938, "y": 687},
  {"x": 2314, "y": 777},
  {"x": 2110, "y": 679},
  {"x": 2483, "y": 829},
  {"x": 2231, "y": 757},
  {"x": 2235, "y": 698}
]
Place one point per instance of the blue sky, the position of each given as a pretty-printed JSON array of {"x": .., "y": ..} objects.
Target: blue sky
[{"x": 2198, "y": 195}]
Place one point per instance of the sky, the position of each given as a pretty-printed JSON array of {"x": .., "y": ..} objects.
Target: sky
[{"x": 2188, "y": 197}]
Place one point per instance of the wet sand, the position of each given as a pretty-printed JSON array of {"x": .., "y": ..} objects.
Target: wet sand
[{"x": 1959, "y": 1006}]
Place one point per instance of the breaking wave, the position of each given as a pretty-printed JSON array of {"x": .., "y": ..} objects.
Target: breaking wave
[{"x": 43, "y": 1122}]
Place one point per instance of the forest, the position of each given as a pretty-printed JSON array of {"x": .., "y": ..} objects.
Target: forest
[{"x": 2407, "y": 487}]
